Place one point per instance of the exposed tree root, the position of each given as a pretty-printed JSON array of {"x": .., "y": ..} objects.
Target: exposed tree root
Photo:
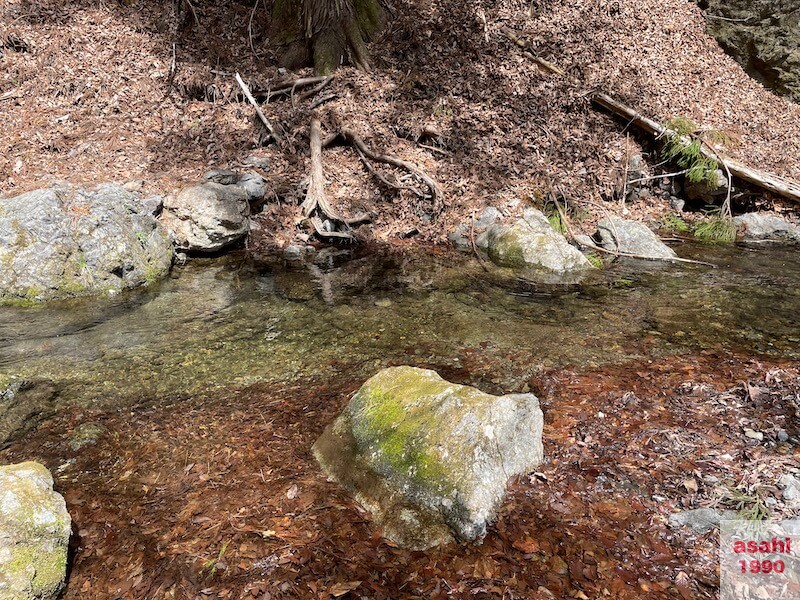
[
  {"x": 316, "y": 198},
  {"x": 316, "y": 201},
  {"x": 436, "y": 195}
]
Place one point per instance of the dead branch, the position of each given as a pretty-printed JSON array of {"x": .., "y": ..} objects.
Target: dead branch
[
  {"x": 436, "y": 194},
  {"x": 288, "y": 88},
  {"x": 768, "y": 181},
  {"x": 313, "y": 91},
  {"x": 259, "y": 112}
]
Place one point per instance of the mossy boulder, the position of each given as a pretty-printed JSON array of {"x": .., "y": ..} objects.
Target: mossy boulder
[
  {"x": 34, "y": 532},
  {"x": 532, "y": 245},
  {"x": 429, "y": 458},
  {"x": 68, "y": 241}
]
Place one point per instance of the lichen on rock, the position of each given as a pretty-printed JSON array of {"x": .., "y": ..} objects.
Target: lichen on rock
[
  {"x": 34, "y": 532},
  {"x": 429, "y": 458},
  {"x": 533, "y": 245}
]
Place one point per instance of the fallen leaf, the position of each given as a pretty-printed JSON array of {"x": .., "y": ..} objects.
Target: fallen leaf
[{"x": 340, "y": 589}]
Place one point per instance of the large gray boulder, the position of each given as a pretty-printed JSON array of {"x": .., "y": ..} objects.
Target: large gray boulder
[
  {"x": 533, "y": 245},
  {"x": 632, "y": 237},
  {"x": 207, "y": 217},
  {"x": 67, "y": 241},
  {"x": 756, "y": 226},
  {"x": 430, "y": 459},
  {"x": 34, "y": 533}
]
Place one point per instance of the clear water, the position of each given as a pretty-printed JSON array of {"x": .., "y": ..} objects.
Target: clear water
[{"x": 235, "y": 321}]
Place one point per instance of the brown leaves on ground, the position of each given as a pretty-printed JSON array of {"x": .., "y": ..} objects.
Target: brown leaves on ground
[
  {"x": 220, "y": 496},
  {"x": 140, "y": 90}
]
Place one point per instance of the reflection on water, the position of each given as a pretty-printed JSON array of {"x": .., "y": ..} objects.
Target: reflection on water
[{"x": 234, "y": 321}]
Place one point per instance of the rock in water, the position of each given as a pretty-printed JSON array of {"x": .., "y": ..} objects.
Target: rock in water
[
  {"x": 532, "y": 244},
  {"x": 207, "y": 217},
  {"x": 430, "y": 459},
  {"x": 757, "y": 226},
  {"x": 34, "y": 533},
  {"x": 23, "y": 405},
  {"x": 632, "y": 237},
  {"x": 64, "y": 241}
]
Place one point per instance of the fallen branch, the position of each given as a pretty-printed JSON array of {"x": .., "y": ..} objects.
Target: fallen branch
[
  {"x": 259, "y": 112},
  {"x": 768, "y": 181}
]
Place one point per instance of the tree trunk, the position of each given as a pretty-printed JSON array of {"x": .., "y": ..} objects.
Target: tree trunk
[{"x": 325, "y": 33}]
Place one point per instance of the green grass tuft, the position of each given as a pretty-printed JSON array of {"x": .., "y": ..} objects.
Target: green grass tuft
[
  {"x": 715, "y": 229},
  {"x": 674, "y": 223}
]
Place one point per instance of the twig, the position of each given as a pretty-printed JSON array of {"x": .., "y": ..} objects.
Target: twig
[
  {"x": 9, "y": 95},
  {"x": 659, "y": 176},
  {"x": 250, "y": 29},
  {"x": 259, "y": 112},
  {"x": 313, "y": 91},
  {"x": 381, "y": 178},
  {"x": 322, "y": 100},
  {"x": 434, "y": 149},
  {"x": 625, "y": 254},
  {"x": 194, "y": 13}
]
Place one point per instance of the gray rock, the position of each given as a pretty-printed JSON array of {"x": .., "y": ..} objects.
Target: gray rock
[
  {"x": 791, "y": 488},
  {"x": 254, "y": 185},
  {"x": 152, "y": 205},
  {"x": 293, "y": 253},
  {"x": 757, "y": 226},
  {"x": 34, "y": 532},
  {"x": 23, "y": 404},
  {"x": 222, "y": 176},
  {"x": 257, "y": 162},
  {"x": 702, "y": 192},
  {"x": 584, "y": 242},
  {"x": 700, "y": 520},
  {"x": 532, "y": 244},
  {"x": 64, "y": 241},
  {"x": 207, "y": 217},
  {"x": 676, "y": 203},
  {"x": 488, "y": 216},
  {"x": 632, "y": 237},
  {"x": 783, "y": 436},
  {"x": 430, "y": 459}
]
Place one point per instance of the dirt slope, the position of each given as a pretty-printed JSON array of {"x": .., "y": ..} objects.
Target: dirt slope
[{"x": 89, "y": 93}]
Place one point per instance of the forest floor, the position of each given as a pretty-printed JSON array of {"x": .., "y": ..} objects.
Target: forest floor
[
  {"x": 127, "y": 91},
  {"x": 219, "y": 496}
]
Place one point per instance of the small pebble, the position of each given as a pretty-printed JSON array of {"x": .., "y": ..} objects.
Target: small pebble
[
  {"x": 783, "y": 436},
  {"x": 754, "y": 435}
]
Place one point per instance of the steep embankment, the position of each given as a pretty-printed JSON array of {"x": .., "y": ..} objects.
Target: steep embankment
[{"x": 98, "y": 92}]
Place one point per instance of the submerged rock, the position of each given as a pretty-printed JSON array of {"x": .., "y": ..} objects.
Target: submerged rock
[
  {"x": 532, "y": 244},
  {"x": 34, "y": 533},
  {"x": 23, "y": 404},
  {"x": 756, "y": 226},
  {"x": 700, "y": 520},
  {"x": 632, "y": 237},
  {"x": 65, "y": 241},
  {"x": 430, "y": 459},
  {"x": 208, "y": 217}
]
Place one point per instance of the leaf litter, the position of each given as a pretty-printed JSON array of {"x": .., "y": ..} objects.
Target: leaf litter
[{"x": 187, "y": 497}]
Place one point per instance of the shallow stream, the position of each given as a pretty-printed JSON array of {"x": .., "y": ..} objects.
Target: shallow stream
[{"x": 227, "y": 323}]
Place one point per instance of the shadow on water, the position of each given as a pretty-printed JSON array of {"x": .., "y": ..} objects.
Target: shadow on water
[{"x": 237, "y": 321}]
